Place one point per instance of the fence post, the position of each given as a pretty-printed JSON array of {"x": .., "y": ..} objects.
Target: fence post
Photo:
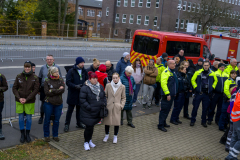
[
  {"x": 44, "y": 29},
  {"x": 67, "y": 30},
  {"x": 17, "y": 27}
]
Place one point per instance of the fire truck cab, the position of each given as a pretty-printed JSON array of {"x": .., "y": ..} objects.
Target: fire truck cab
[{"x": 149, "y": 44}]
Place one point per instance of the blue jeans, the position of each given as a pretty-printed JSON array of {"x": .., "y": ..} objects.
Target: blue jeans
[
  {"x": 136, "y": 93},
  {"x": 204, "y": 98},
  {"x": 50, "y": 109},
  {"x": 21, "y": 121},
  {"x": 178, "y": 105},
  {"x": 224, "y": 115}
]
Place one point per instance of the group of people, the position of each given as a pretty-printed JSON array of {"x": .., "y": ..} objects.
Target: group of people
[{"x": 89, "y": 90}]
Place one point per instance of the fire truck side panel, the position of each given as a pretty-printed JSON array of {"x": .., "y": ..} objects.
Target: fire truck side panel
[{"x": 219, "y": 47}]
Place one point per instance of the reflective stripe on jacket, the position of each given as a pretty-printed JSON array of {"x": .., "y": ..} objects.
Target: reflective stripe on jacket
[
  {"x": 229, "y": 68},
  {"x": 229, "y": 83},
  {"x": 168, "y": 83}
]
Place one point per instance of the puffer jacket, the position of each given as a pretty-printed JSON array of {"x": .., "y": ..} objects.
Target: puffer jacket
[
  {"x": 90, "y": 106},
  {"x": 110, "y": 72},
  {"x": 121, "y": 65},
  {"x": 3, "y": 86},
  {"x": 151, "y": 72},
  {"x": 26, "y": 86},
  {"x": 52, "y": 91}
]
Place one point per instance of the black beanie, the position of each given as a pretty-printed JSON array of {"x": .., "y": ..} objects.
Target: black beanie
[
  {"x": 220, "y": 65},
  {"x": 200, "y": 60},
  {"x": 33, "y": 64},
  {"x": 28, "y": 62},
  {"x": 164, "y": 55}
]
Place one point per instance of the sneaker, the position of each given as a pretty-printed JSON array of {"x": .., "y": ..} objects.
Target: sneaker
[
  {"x": 100, "y": 122},
  {"x": 149, "y": 107},
  {"x": 144, "y": 106},
  {"x": 106, "y": 138},
  {"x": 66, "y": 128},
  {"x": 56, "y": 139},
  {"x": 47, "y": 139},
  {"x": 86, "y": 146},
  {"x": 114, "y": 139},
  {"x": 134, "y": 105},
  {"x": 92, "y": 145}
]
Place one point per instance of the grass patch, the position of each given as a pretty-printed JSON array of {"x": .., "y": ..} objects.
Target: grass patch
[
  {"x": 190, "y": 158},
  {"x": 35, "y": 150}
]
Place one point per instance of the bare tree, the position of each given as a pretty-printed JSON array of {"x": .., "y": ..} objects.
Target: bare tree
[
  {"x": 59, "y": 16},
  {"x": 64, "y": 16},
  {"x": 76, "y": 19},
  {"x": 210, "y": 12}
]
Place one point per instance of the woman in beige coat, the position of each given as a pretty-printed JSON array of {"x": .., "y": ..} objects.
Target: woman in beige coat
[{"x": 116, "y": 98}]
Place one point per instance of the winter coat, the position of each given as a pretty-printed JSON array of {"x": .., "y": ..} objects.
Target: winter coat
[
  {"x": 52, "y": 91},
  {"x": 110, "y": 73},
  {"x": 197, "y": 67},
  {"x": 182, "y": 58},
  {"x": 90, "y": 107},
  {"x": 102, "y": 78},
  {"x": 214, "y": 69},
  {"x": 26, "y": 87},
  {"x": 73, "y": 79},
  {"x": 3, "y": 86},
  {"x": 151, "y": 73},
  {"x": 138, "y": 76},
  {"x": 124, "y": 80},
  {"x": 115, "y": 103},
  {"x": 121, "y": 65},
  {"x": 91, "y": 68}
]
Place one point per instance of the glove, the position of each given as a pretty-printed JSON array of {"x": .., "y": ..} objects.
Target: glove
[{"x": 78, "y": 87}]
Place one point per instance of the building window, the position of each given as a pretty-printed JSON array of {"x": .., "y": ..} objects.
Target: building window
[
  {"x": 124, "y": 17},
  {"x": 155, "y": 21},
  {"x": 186, "y": 24},
  {"x": 80, "y": 11},
  {"x": 237, "y": 15},
  {"x": 148, "y": 4},
  {"x": 91, "y": 13},
  {"x": 115, "y": 32},
  {"x": 189, "y": 6},
  {"x": 139, "y": 19},
  {"x": 118, "y": 3},
  {"x": 117, "y": 18},
  {"x": 229, "y": 1},
  {"x": 180, "y": 3},
  {"x": 100, "y": 13},
  {"x": 193, "y": 7},
  {"x": 132, "y": 3},
  {"x": 182, "y": 24},
  {"x": 184, "y": 5},
  {"x": 92, "y": 24},
  {"x": 239, "y": 2},
  {"x": 157, "y": 3},
  {"x": 177, "y": 23},
  {"x": 146, "y": 22},
  {"x": 198, "y": 8},
  {"x": 125, "y": 3},
  {"x": 140, "y": 3},
  {"x": 107, "y": 11},
  {"x": 236, "y": 2},
  {"x": 200, "y": 26},
  {"x": 234, "y": 14},
  {"x": 131, "y": 19},
  {"x": 233, "y": 1}
]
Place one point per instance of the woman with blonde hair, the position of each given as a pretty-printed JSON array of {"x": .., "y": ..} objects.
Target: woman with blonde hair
[
  {"x": 138, "y": 76},
  {"x": 94, "y": 66},
  {"x": 54, "y": 87},
  {"x": 116, "y": 98}
]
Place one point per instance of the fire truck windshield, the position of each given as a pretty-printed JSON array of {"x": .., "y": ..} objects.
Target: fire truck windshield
[{"x": 146, "y": 45}]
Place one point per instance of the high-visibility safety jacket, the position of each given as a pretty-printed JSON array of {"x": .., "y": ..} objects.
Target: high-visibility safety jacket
[
  {"x": 229, "y": 83},
  {"x": 229, "y": 68},
  {"x": 160, "y": 68},
  {"x": 168, "y": 82},
  {"x": 197, "y": 81},
  {"x": 235, "y": 115},
  {"x": 222, "y": 77}
]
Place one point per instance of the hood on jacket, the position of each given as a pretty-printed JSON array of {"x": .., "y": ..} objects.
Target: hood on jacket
[{"x": 122, "y": 60}]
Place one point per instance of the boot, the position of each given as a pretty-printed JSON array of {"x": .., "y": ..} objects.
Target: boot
[
  {"x": 22, "y": 139},
  {"x": 28, "y": 139},
  {"x": 1, "y": 135}
]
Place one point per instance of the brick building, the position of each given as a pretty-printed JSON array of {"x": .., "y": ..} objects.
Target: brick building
[
  {"x": 88, "y": 10},
  {"x": 122, "y": 17}
]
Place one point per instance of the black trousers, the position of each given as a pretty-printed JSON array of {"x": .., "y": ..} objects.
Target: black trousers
[
  {"x": 116, "y": 129},
  {"x": 157, "y": 93},
  {"x": 165, "y": 109},
  {"x": 42, "y": 108},
  {"x": 69, "y": 114},
  {"x": 88, "y": 133},
  {"x": 185, "y": 107},
  {"x": 1, "y": 109}
]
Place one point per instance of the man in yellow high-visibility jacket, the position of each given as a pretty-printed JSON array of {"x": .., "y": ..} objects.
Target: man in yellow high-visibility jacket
[{"x": 231, "y": 66}]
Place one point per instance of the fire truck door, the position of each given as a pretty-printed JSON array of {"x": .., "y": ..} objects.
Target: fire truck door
[{"x": 220, "y": 47}]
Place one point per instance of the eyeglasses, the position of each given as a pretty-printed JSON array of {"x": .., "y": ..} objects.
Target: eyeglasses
[{"x": 49, "y": 59}]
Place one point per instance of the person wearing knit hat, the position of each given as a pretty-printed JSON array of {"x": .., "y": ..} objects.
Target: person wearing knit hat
[
  {"x": 217, "y": 99},
  {"x": 75, "y": 79},
  {"x": 33, "y": 67},
  {"x": 164, "y": 59},
  {"x": 102, "y": 75},
  {"x": 199, "y": 65},
  {"x": 92, "y": 99},
  {"x": 123, "y": 63},
  {"x": 149, "y": 81}
]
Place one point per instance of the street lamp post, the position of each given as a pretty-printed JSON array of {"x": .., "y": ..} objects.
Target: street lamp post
[{"x": 179, "y": 9}]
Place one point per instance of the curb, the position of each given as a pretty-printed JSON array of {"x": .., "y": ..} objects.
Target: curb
[{"x": 63, "y": 150}]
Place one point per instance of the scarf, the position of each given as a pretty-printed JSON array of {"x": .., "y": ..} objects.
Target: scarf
[
  {"x": 130, "y": 85},
  {"x": 115, "y": 86},
  {"x": 94, "y": 88},
  {"x": 27, "y": 74},
  {"x": 53, "y": 77}
]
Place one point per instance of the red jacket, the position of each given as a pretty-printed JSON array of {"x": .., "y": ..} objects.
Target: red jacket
[{"x": 101, "y": 77}]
